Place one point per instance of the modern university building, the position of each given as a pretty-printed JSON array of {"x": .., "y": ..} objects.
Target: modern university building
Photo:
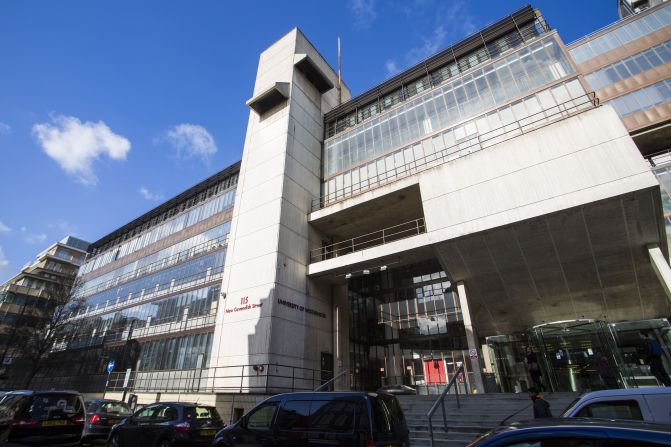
[{"x": 492, "y": 199}]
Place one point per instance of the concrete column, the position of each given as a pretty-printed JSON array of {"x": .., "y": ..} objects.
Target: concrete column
[
  {"x": 471, "y": 338},
  {"x": 661, "y": 268}
]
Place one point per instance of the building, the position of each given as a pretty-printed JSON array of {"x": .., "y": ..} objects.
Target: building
[
  {"x": 24, "y": 297},
  {"x": 626, "y": 8},
  {"x": 483, "y": 205}
]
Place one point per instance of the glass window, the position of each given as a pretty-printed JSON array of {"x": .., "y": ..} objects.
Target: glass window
[
  {"x": 332, "y": 415},
  {"x": 616, "y": 409},
  {"x": 262, "y": 418},
  {"x": 294, "y": 415}
]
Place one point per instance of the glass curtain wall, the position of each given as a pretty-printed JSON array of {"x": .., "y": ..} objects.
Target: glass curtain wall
[
  {"x": 643, "y": 99},
  {"x": 405, "y": 328},
  {"x": 622, "y": 35}
]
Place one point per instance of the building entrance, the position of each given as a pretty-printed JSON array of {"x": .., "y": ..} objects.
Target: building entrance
[{"x": 575, "y": 355}]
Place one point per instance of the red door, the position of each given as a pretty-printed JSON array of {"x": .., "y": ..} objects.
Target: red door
[{"x": 434, "y": 371}]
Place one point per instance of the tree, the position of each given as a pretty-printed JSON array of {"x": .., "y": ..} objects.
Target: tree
[{"x": 53, "y": 322}]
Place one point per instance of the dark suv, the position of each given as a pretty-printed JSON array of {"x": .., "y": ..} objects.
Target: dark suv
[
  {"x": 328, "y": 418},
  {"x": 41, "y": 418},
  {"x": 167, "y": 424}
]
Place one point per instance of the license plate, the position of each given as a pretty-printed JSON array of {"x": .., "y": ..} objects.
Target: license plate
[
  {"x": 54, "y": 423},
  {"x": 112, "y": 421},
  {"x": 208, "y": 432}
]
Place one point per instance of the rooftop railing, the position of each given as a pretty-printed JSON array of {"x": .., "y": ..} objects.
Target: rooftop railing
[
  {"x": 460, "y": 149},
  {"x": 380, "y": 237}
]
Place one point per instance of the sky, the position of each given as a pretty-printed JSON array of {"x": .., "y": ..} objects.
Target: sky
[{"x": 107, "y": 108}]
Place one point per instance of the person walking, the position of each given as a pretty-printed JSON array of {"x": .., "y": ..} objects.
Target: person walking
[
  {"x": 541, "y": 406},
  {"x": 653, "y": 356},
  {"x": 534, "y": 369}
]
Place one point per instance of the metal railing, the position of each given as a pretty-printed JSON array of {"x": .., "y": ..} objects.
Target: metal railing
[
  {"x": 441, "y": 402},
  {"x": 380, "y": 237},
  {"x": 160, "y": 264},
  {"x": 156, "y": 292},
  {"x": 460, "y": 149},
  {"x": 332, "y": 381}
]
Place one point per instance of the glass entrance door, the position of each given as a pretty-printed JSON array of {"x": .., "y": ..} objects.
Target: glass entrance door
[{"x": 576, "y": 355}]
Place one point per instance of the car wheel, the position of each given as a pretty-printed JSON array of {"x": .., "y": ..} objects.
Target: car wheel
[{"x": 114, "y": 440}]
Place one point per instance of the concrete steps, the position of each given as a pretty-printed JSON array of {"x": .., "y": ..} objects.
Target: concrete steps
[{"x": 476, "y": 416}]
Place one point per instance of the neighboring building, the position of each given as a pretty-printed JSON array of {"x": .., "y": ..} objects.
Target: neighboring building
[
  {"x": 478, "y": 205},
  {"x": 626, "y": 8},
  {"x": 628, "y": 65},
  {"x": 23, "y": 298}
]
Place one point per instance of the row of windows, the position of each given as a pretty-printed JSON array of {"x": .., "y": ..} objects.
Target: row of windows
[
  {"x": 654, "y": 57},
  {"x": 155, "y": 261},
  {"x": 527, "y": 69},
  {"x": 471, "y": 136},
  {"x": 220, "y": 187},
  {"x": 642, "y": 99},
  {"x": 485, "y": 53},
  {"x": 211, "y": 207},
  {"x": 624, "y": 34},
  {"x": 200, "y": 302},
  {"x": 175, "y": 353},
  {"x": 166, "y": 279}
]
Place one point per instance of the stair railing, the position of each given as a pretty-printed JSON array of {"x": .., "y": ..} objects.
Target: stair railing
[
  {"x": 441, "y": 401},
  {"x": 326, "y": 384}
]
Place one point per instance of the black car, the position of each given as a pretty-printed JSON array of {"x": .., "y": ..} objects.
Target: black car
[
  {"x": 329, "y": 418},
  {"x": 41, "y": 418},
  {"x": 167, "y": 424},
  {"x": 577, "y": 432},
  {"x": 101, "y": 415}
]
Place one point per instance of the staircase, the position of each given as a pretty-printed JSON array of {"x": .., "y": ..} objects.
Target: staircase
[{"x": 478, "y": 414}]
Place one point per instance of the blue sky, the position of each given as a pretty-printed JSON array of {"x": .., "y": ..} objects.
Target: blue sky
[{"x": 109, "y": 107}]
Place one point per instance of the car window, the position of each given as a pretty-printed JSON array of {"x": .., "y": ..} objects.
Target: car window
[
  {"x": 203, "y": 416},
  {"x": 614, "y": 409},
  {"x": 114, "y": 408},
  {"x": 54, "y": 405},
  {"x": 659, "y": 405},
  {"x": 294, "y": 415},
  {"x": 146, "y": 413},
  {"x": 91, "y": 406},
  {"x": 332, "y": 416},
  {"x": 262, "y": 418},
  {"x": 11, "y": 404},
  {"x": 166, "y": 413}
]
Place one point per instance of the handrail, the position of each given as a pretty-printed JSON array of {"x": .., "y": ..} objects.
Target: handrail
[
  {"x": 325, "y": 384},
  {"x": 441, "y": 401}
]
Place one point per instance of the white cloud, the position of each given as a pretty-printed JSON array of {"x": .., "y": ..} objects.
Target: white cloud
[
  {"x": 5, "y": 129},
  {"x": 4, "y": 228},
  {"x": 191, "y": 140},
  {"x": 364, "y": 13},
  {"x": 76, "y": 145},
  {"x": 392, "y": 67},
  {"x": 431, "y": 45},
  {"x": 31, "y": 238},
  {"x": 64, "y": 227},
  {"x": 4, "y": 262},
  {"x": 148, "y": 195}
]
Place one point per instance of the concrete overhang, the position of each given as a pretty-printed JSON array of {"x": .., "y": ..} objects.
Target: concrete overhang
[
  {"x": 313, "y": 73},
  {"x": 269, "y": 98}
]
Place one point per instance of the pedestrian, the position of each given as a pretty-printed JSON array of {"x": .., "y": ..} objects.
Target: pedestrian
[
  {"x": 605, "y": 371},
  {"x": 653, "y": 356},
  {"x": 534, "y": 369},
  {"x": 541, "y": 406}
]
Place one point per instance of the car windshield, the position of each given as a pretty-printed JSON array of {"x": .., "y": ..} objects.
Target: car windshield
[
  {"x": 114, "y": 408},
  {"x": 575, "y": 401},
  {"x": 54, "y": 406}
]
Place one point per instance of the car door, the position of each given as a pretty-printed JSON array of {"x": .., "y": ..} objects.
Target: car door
[
  {"x": 257, "y": 428},
  {"x": 161, "y": 424},
  {"x": 133, "y": 433},
  {"x": 293, "y": 423}
]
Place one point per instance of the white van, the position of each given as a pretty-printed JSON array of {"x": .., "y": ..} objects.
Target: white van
[{"x": 643, "y": 404}]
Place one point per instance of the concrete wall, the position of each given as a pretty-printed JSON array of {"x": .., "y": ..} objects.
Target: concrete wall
[{"x": 271, "y": 312}]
